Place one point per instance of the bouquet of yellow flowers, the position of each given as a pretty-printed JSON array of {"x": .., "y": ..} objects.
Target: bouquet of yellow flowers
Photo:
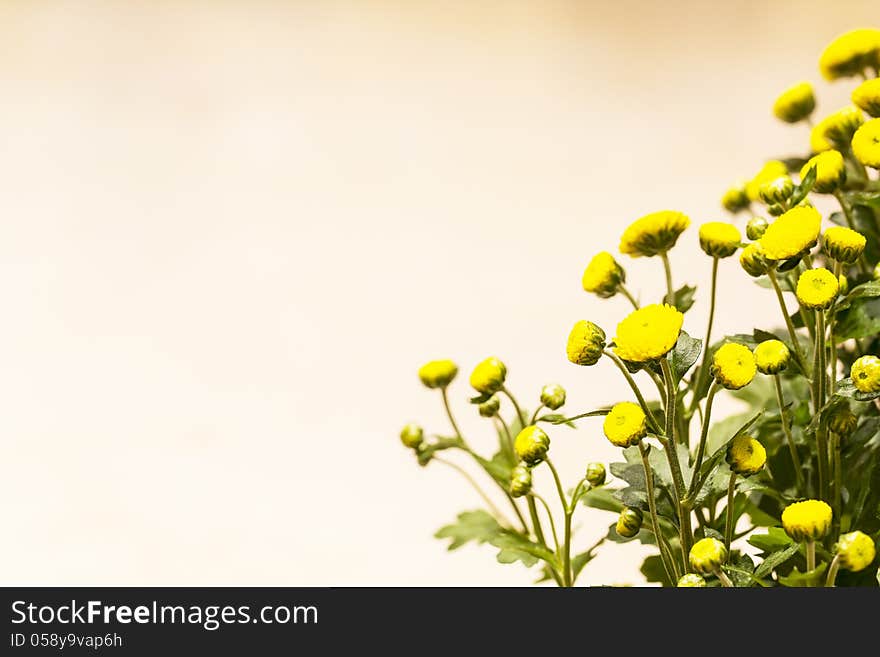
[{"x": 801, "y": 469}]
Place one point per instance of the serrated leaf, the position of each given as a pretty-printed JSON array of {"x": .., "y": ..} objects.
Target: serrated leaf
[
  {"x": 774, "y": 540},
  {"x": 477, "y": 526},
  {"x": 654, "y": 571},
  {"x": 776, "y": 559},
  {"x": 578, "y": 561},
  {"x": 684, "y": 354},
  {"x": 811, "y": 578},
  {"x": 846, "y": 388},
  {"x": 427, "y": 451},
  {"x": 515, "y": 547},
  {"x": 602, "y": 498},
  {"x": 683, "y": 298},
  {"x": 865, "y": 290},
  {"x": 860, "y": 320}
]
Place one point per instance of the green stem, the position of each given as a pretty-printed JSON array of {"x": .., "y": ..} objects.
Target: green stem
[
  {"x": 847, "y": 212},
  {"x": 728, "y": 525},
  {"x": 450, "y": 415},
  {"x": 670, "y": 291},
  {"x": 549, "y": 517},
  {"x": 536, "y": 521},
  {"x": 566, "y": 549},
  {"x": 819, "y": 402},
  {"x": 638, "y": 393},
  {"x": 832, "y": 571},
  {"x": 625, "y": 292},
  {"x": 682, "y": 506},
  {"x": 771, "y": 274},
  {"x": 704, "y": 434},
  {"x": 836, "y": 474},
  {"x": 704, "y": 366},
  {"x": 492, "y": 508},
  {"x": 668, "y": 561},
  {"x": 725, "y": 580},
  {"x": 795, "y": 459},
  {"x": 519, "y": 413},
  {"x": 811, "y": 555},
  {"x": 535, "y": 414}
]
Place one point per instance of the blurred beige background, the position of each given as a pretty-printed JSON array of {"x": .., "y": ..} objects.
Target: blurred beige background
[{"x": 232, "y": 231}]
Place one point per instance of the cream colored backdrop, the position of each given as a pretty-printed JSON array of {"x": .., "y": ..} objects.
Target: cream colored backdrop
[{"x": 232, "y": 231}]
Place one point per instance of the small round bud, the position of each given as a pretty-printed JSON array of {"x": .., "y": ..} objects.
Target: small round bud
[
  {"x": 625, "y": 424},
  {"x": 412, "y": 436},
  {"x": 488, "y": 377},
  {"x": 735, "y": 199},
  {"x": 843, "y": 421},
  {"x": 629, "y": 522},
  {"x": 520, "y": 480},
  {"x": 867, "y": 97},
  {"x": 531, "y": 445},
  {"x": 843, "y": 244},
  {"x": 691, "y": 580},
  {"x": 585, "y": 343},
  {"x": 719, "y": 239},
  {"x": 438, "y": 373},
  {"x": 553, "y": 396},
  {"x": 595, "y": 474},
  {"x": 865, "y": 373},
  {"x": 770, "y": 171},
  {"x": 756, "y": 228},
  {"x": 855, "y": 551},
  {"x": 733, "y": 366},
  {"x": 707, "y": 555},
  {"x": 489, "y": 408},
  {"x": 817, "y": 289},
  {"x": 603, "y": 275},
  {"x": 746, "y": 456},
  {"x": 830, "y": 171},
  {"x": 808, "y": 520},
  {"x": 772, "y": 356},
  {"x": 753, "y": 260},
  {"x": 776, "y": 191},
  {"x": 795, "y": 103}
]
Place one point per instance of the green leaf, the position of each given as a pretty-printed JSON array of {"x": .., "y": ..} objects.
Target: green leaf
[
  {"x": 426, "y": 451},
  {"x": 556, "y": 418},
  {"x": 741, "y": 571},
  {"x": 871, "y": 199},
  {"x": 774, "y": 540},
  {"x": 653, "y": 570},
  {"x": 865, "y": 290},
  {"x": 776, "y": 559},
  {"x": 846, "y": 388},
  {"x": 481, "y": 398},
  {"x": 477, "y": 526},
  {"x": 602, "y": 498},
  {"x": 810, "y": 578},
  {"x": 515, "y": 547},
  {"x": 801, "y": 190},
  {"x": 498, "y": 468},
  {"x": 684, "y": 354},
  {"x": 683, "y": 298},
  {"x": 578, "y": 561},
  {"x": 860, "y": 320}
]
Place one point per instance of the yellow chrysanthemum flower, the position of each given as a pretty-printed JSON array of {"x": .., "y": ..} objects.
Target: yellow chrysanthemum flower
[
  {"x": 648, "y": 333},
  {"x": 865, "y": 373},
  {"x": 603, "y": 275},
  {"x": 808, "y": 520},
  {"x": 795, "y": 103},
  {"x": 772, "y": 356},
  {"x": 770, "y": 171},
  {"x": 830, "y": 171},
  {"x": 653, "y": 234},
  {"x": 691, "y": 581},
  {"x": 488, "y": 377},
  {"x": 625, "y": 424},
  {"x": 707, "y": 555},
  {"x": 866, "y": 144},
  {"x": 585, "y": 343},
  {"x": 733, "y": 366},
  {"x": 719, "y": 239},
  {"x": 850, "y": 54},
  {"x": 867, "y": 97},
  {"x": 792, "y": 234},
  {"x": 745, "y": 455},
  {"x": 438, "y": 373},
  {"x": 836, "y": 129},
  {"x": 531, "y": 445},
  {"x": 817, "y": 289},
  {"x": 856, "y": 551},
  {"x": 735, "y": 198},
  {"x": 843, "y": 244}
]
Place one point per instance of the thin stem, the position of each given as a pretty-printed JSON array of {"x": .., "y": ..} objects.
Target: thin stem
[
  {"x": 832, "y": 571},
  {"x": 632, "y": 384},
  {"x": 684, "y": 514},
  {"x": 725, "y": 580},
  {"x": 670, "y": 291},
  {"x": 450, "y": 415},
  {"x": 556, "y": 479},
  {"x": 819, "y": 402},
  {"x": 771, "y": 274},
  {"x": 704, "y": 369},
  {"x": 811, "y": 555},
  {"x": 836, "y": 474},
  {"x": 519, "y": 413},
  {"x": 625, "y": 292},
  {"x": 704, "y": 434},
  {"x": 494, "y": 509},
  {"x": 795, "y": 459},
  {"x": 728, "y": 526},
  {"x": 550, "y": 516},
  {"x": 668, "y": 561},
  {"x": 832, "y": 343},
  {"x": 536, "y": 521},
  {"x": 535, "y": 414},
  {"x": 566, "y": 550}
]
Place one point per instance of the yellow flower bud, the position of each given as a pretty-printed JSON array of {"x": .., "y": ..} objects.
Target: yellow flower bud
[
  {"x": 629, "y": 522},
  {"x": 707, "y": 555},
  {"x": 865, "y": 373},
  {"x": 756, "y": 227},
  {"x": 843, "y": 244},
  {"x": 531, "y": 445},
  {"x": 855, "y": 551},
  {"x": 490, "y": 407},
  {"x": 603, "y": 275},
  {"x": 776, "y": 191},
  {"x": 867, "y": 97},
  {"x": 733, "y": 365},
  {"x": 625, "y": 424},
  {"x": 850, "y": 54},
  {"x": 843, "y": 421},
  {"x": 795, "y": 103},
  {"x": 753, "y": 260},
  {"x": 772, "y": 356},
  {"x": 520, "y": 480},
  {"x": 808, "y": 520},
  {"x": 488, "y": 377},
  {"x": 691, "y": 580},
  {"x": 770, "y": 171},
  {"x": 585, "y": 343},
  {"x": 735, "y": 199},
  {"x": 866, "y": 144},
  {"x": 719, "y": 239},
  {"x": 648, "y": 333},
  {"x": 595, "y": 475},
  {"x": 653, "y": 234},
  {"x": 745, "y": 455},
  {"x": 793, "y": 234},
  {"x": 412, "y": 436},
  {"x": 438, "y": 373},
  {"x": 844, "y": 284},
  {"x": 836, "y": 129},
  {"x": 817, "y": 289},
  {"x": 553, "y": 396},
  {"x": 830, "y": 171}
]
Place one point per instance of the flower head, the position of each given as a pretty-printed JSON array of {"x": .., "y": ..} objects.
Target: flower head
[
  {"x": 625, "y": 424},
  {"x": 776, "y": 191},
  {"x": 412, "y": 436},
  {"x": 438, "y": 373},
  {"x": 735, "y": 198},
  {"x": 733, "y": 365},
  {"x": 488, "y": 377},
  {"x": 850, "y": 54},
  {"x": 745, "y": 455},
  {"x": 553, "y": 396},
  {"x": 595, "y": 474},
  {"x": 808, "y": 520},
  {"x": 830, "y": 171},
  {"x": 603, "y": 275},
  {"x": 756, "y": 227},
  {"x": 836, "y": 129},
  {"x": 719, "y": 239},
  {"x": 753, "y": 260},
  {"x": 843, "y": 244},
  {"x": 865, "y": 373},
  {"x": 707, "y": 555},
  {"x": 770, "y": 171},
  {"x": 490, "y": 407},
  {"x": 520, "y": 480},
  {"x": 531, "y": 445},
  {"x": 648, "y": 333},
  {"x": 856, "y": 551},
  {"x": 585, "y": 343},
  {"x": 795, "y": 103},
  {"x": 772, "y": 356},
  {"x": 866, "y": 144},
  {"x": 817, "y": 289},
  {"x": 653, "y": 234},
  {"x": 867, "y": 96},
  {"x": 691, "y": 580},
  {"x": 792, "y": 234},
  {"x": 629, "y": 522}
]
